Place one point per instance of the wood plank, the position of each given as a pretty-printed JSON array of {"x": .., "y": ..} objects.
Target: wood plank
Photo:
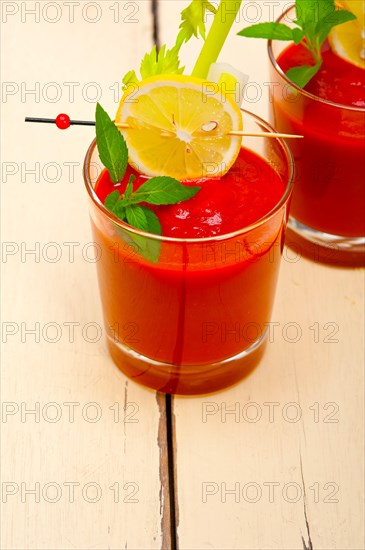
[
  {"x": 297, "y": 423},
  {"x": 112, "y": 463},
  {"x": 284, "y": 470}
]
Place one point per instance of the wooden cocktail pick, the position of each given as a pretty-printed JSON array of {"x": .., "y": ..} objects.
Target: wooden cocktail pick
[{"x": 63, "y": 122}]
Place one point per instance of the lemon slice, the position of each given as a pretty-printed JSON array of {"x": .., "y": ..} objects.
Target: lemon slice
[
  {"x": 348, "y": 40},
  {"x": 178, "y": 127}
]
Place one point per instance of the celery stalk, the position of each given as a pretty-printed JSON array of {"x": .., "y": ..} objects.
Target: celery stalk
[{"x": 222, "y": 23}]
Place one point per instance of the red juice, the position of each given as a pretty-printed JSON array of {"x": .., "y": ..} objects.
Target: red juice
[
  {"x": 329, "y": 191},
  {"x": 223, "y": 205},
  {"x": 188, "y": 312}
]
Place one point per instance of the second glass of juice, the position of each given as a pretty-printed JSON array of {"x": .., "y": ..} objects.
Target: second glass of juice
[
  {"x": 328, "y": 205},
  {"x": 191, "y": 315}
]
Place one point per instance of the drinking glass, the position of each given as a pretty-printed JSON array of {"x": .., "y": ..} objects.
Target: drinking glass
[
  {"x": 191, "y": 316},
  {"x": 328, "y": 204}
]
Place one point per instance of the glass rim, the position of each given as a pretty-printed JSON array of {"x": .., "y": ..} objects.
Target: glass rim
[
  {"x": 288, "y": 188},
  {"x": 295, "y": 86}
]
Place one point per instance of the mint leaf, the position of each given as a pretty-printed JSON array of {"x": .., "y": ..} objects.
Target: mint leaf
[
  {"x": 164, "y": 190},
  {"x": 325, "y": 25},
  {"x": 112, "y": 147},
  {"x": 298, "y": 35},
  {"x": 113, "y": 203},
  {"x": 315, "y": 19},
  {"x": 119, "y": 210},
  {"x": 159, "y": 190},
  {"x": 153, "y": 222},
  {"x": 136, "y": 217},
  {"x": 303, "y": 74},
  {"x": 143, "y": 218},
  {"x": 147, "y": 247},
  {"x": 140, "y": 217},
  {"x": 271, "y": 31},
  {"x": 311, "y": 11},
  {"x": 111, "y": 200}
]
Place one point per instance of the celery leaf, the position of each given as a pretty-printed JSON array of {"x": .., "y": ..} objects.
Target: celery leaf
[
  {"x": 162, "y": 62},
  {"x": 193, "y": 21}
]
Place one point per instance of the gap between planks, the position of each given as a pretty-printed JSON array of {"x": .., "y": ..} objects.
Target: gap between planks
[{"x": 168, "y": 484}]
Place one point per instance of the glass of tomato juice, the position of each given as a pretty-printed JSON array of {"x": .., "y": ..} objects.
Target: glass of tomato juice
[
  {"x": 191, "y": 316},
  {"x": 328, "y": 205}
]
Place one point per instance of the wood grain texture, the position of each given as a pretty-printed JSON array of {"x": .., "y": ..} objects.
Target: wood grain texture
[
  {"x": 292, "y": 430},
  {"x": 91, "y": 449},
  {"x": 274, "y": 463},
  {"x": 277, "y": 462}
]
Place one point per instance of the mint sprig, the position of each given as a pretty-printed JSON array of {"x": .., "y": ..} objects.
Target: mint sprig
[
  {"x": 314, "y": 21},
  {"x": 113, "y": 153},
  {"x": 157, "y": 191}
]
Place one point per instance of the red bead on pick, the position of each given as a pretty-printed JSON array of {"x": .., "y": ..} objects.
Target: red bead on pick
[{"x": 63, "y": 121}]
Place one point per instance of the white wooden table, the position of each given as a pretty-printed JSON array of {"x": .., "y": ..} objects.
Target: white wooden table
[{"x": 92, "y": 460}]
